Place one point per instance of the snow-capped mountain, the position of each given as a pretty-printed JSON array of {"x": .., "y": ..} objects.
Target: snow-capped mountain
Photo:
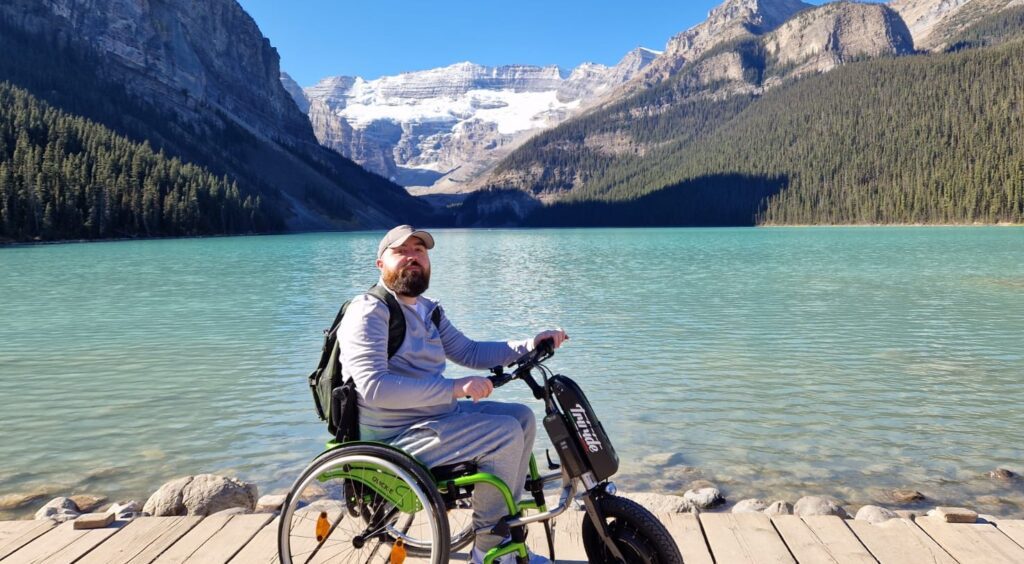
[{"x": 441, "y": 128}]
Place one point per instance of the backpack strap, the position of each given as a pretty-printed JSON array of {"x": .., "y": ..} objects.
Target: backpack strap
[{"x": 396, "y": 318}]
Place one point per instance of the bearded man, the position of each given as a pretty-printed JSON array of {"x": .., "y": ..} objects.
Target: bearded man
[{"x": 408, "y": 402}]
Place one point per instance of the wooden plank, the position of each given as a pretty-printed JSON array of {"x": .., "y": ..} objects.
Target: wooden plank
[
  {"x": 16, "y": 534},
  {"x": 743, "y": 537},
  {"x": 63, "y": 543},
  {"x": 181, "y": 550},
  {"x": 978, "y": 543},
  {"x": 1013, "y": 528},
  {"x": 262, "y": 547},
  {"x": 842, "y": 544},
  {"x": 801, "y": 540},
  {"x": 230, "y": 538},
  {"x": 685, "y": 530},
  {"x": 897, "y": 541},
  {"x": 142, "y": 535}
]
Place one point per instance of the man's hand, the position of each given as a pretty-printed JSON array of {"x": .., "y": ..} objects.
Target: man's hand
[
  {"x": 557, "y": 335},
  {"x": 476, "y": 387}
]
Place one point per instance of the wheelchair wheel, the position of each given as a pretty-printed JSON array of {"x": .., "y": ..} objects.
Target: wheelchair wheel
[
  {"x": 637, "y": 533},
  {"x": 355, "y": 503}
]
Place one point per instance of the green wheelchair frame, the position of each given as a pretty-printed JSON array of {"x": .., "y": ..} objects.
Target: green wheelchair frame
[{"x": 386, "y": 487}]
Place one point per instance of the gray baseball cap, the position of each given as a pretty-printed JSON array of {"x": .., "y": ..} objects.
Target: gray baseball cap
[{"x": 398, "y": 235}]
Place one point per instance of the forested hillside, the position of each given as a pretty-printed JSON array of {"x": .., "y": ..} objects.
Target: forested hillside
[
  {"x": 66, "y": 177},
  {"x": 920, "y": 139},
  {"x": 299, "y": 184}
]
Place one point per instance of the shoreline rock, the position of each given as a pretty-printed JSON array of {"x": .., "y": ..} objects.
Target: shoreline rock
[{"x": 201, "y": 494}]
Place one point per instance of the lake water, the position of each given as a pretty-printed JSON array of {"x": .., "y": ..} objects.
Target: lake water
[{"x": 776, "y": 362}]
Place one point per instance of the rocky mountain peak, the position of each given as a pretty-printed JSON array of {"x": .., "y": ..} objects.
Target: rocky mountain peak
[
  {"x": 729, "y": 21},
  {"x": 933, "y": 22}
]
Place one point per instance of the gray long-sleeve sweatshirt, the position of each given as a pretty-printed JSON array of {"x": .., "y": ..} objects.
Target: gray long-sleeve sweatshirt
[{"x": 410, "y": 387}]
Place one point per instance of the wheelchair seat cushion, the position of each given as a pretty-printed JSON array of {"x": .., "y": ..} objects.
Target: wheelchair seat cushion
[{"x": 454, "y": 470}]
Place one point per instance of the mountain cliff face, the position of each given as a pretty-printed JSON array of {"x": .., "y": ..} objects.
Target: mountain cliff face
[
  {"x": 569, "y": 159},
  {"x": 208, "y": 72},
  {"x": 934, "y": 23},
  {"x": 441, "y": 128},
  {"x": 731, "y": 21}
]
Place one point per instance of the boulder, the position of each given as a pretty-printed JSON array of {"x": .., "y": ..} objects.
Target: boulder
[
  {"x": 818, "y": 505},
  {"x": 779, "y": 508},
  {"x": 659, "y": 503},
  {"x": 704, "y": 498},
  {"x": 663, "y": 459},
  {"x": 270, "y": 503},
  {"x": 14, "y": 501},
  {"x": 202, "y": 494},
  {"x": 59, "y": 509},
  {"x": 906, "y": 496},
  {"x": 750, "y": 506},
  {"x": 88, "y": 503},
  {"x": 875, "y": 514}
]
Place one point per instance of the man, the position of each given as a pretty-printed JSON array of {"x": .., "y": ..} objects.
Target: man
[{"x": 406, "y": 400}]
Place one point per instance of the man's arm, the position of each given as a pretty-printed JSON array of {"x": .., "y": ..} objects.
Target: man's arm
[
  {"x": 363, "y": 339},
  {"x": 479, "y": 355}
]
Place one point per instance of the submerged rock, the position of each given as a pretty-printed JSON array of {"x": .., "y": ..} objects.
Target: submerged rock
[
  {"x": 906, "y": 496},
  {"x": 202, "y": 494},
  {"x": 1002, "y": 474},
  {"x": 818, "y": 505},
  {"x": 14, "y": 501},
  {"x": 663, "y": 459}
]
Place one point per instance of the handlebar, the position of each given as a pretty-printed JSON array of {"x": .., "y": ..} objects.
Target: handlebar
[{"x": 543, "y": 351}]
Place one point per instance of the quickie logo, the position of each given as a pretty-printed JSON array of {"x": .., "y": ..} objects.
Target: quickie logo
[{"x": 585, "y": 428}]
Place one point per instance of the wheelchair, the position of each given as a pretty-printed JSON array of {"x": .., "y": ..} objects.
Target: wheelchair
[{"x": 362, "y": 501}]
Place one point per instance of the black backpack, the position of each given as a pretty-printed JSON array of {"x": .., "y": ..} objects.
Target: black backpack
[{"x": 336, "y": 400}]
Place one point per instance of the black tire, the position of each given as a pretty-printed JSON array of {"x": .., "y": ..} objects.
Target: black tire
[
  {"x": 358, "y": 521},
  {"x": 637, "y": 533}
]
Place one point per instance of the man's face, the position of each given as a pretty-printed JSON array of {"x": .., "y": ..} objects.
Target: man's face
[{"x": 406, "y": 268}]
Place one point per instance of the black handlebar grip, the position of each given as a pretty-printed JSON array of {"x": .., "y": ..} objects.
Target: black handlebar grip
[{"x": 546, "y": 346}]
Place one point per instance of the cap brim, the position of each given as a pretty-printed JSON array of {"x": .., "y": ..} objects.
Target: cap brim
[{"x": 427, "y": 238}]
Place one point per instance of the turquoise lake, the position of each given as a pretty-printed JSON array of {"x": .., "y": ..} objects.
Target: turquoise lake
[{"x": 776, "y": 362}]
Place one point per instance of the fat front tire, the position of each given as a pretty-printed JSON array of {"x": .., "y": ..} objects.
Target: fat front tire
[{"x": 638, "y": 534}]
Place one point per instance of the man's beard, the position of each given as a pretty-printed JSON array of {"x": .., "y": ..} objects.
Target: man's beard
[{"x": 407, "y": 282}]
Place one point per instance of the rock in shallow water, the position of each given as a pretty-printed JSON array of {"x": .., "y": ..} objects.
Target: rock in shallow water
[
  {"x": 817, "y": 505},
  {"x": 202, "y": 494},
  {"x": 1002, "y": 474},
  {"x": 750, "y": 506},
  {"x": 14, "y": 501},
  {"x": 779, "y": 508},
  {"x": 87, "y": 503},
  {"x": 704, "y": 498},
  {"x": 906, "y": 496},
  {"x": 875, "y": 514},
  {"x": 663, "y": 459},
  {"x": 59, "y": 509},
  {"x": 659, "y": 503}
]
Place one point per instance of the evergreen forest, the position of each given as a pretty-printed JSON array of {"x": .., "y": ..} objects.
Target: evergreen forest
[{"x": 66, "y": 177}]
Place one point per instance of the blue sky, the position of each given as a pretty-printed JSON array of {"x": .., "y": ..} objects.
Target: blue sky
[{"x": 371, "y": 38}]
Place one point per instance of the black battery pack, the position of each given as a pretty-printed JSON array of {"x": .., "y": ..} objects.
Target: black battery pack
[{"x": 593, "y": 449}]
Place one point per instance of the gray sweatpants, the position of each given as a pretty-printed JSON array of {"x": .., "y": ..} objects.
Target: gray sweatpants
[{"x": 497, "y": 436}]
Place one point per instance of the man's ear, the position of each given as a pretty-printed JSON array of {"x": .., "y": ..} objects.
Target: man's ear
[{"x": 380, "y": 264}]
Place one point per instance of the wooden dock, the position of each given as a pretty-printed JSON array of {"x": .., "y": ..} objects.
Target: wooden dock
[{"x": 709, "y": 538}]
